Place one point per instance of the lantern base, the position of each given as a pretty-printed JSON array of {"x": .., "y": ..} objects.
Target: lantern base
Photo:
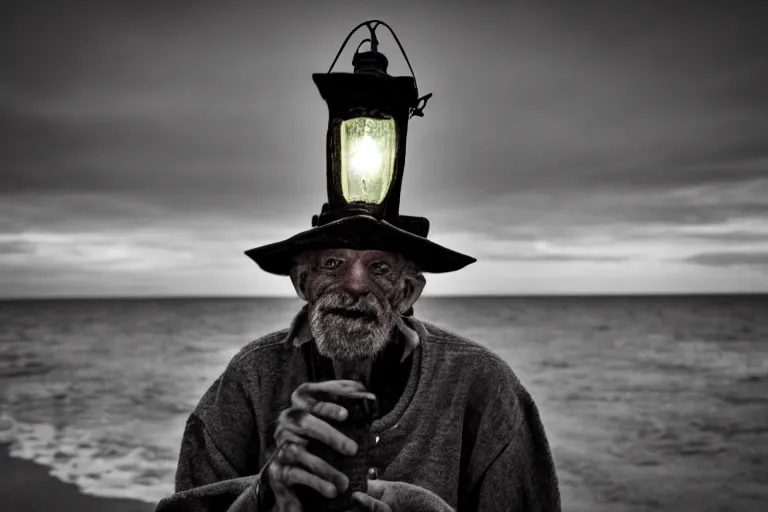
[{"x": 419, "y": 226}]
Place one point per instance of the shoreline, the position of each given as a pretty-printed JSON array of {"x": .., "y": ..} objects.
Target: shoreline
[{"x": 27, "y": 486}]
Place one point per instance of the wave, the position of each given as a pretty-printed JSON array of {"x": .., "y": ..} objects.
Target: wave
[
  {"x": 30, "y": 369},
  {"x": 24, "y": 364},
  {"x": 97, "y": 466}
]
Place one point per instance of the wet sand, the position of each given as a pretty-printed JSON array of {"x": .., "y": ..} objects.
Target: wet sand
[{"x": 27, "y": 486}]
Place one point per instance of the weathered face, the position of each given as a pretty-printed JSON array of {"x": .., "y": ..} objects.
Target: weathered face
[{"x": 354, "y": 297}]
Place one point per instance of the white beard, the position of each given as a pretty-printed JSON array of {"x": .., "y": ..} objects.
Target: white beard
[{"x": 349, "y": 339}]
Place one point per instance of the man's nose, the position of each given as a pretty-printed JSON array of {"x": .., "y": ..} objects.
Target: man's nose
[{"x": 356, "y": 280}]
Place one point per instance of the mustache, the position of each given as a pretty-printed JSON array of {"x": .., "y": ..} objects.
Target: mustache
[
  {"x": 343, "y": 304},
  {"x": 351, "y": 313}
]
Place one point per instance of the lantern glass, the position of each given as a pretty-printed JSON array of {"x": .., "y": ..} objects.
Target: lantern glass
[{"x": 368, "y": 148}]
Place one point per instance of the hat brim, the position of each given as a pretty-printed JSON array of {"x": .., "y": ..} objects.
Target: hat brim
[{"x": 360, "y": 232}]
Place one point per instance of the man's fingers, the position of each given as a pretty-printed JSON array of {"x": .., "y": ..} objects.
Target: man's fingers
[
  {"x": 294, "y": 454},
  {"x": 340, "y": 384},
  {"x": 290, "y": 476},
  {"x": 376, "y": 488},
  {"x": 361, "y": 394},
  {"x": 330, "y": 411},
  {"x": 305, "y": 397},
  {"x": 369, "y": 503},
  {"x": 306, "y": 425},
  {"x": 329, "y": 386},
  {"x": 283, "y": 435}
]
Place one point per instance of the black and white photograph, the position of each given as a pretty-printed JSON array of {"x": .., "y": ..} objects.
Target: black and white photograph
[{"x": 389, "y": 256}]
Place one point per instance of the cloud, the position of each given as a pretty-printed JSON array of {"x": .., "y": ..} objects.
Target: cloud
[
  {"x": 599, "y": 104},
  {"x": 579, "y": 133},
  {"x": 682, "y": 211},
  {"x": 554, "y": 258},
  {"x": 149, "y": 106},
  {"x": 224, "y": 216},
  {"x": 736, "y": 237},
  {"x": 620, "y": 227},
  {"x": 11, "y": 248},
  {"x": 730, "y": 259}
]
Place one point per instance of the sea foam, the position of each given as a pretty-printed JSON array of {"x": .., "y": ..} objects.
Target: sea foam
[{"x": 96, "y": 467}]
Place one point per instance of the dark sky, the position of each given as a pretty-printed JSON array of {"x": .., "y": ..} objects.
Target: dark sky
[{"x": 572, "y": 147}]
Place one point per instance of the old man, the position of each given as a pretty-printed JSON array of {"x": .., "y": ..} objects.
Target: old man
[
  {"x": 451, "y": 427},
  {"x": 456, "y": 429}
]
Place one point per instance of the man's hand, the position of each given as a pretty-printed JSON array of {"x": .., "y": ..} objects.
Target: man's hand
[
  {"x": 298, "y": 424},
  {"x": 384, "y": 496}
]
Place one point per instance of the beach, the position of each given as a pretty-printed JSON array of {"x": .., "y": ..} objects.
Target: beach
[
  {"x": 649, "y": 403},
  {"x": 27, "y": 486}
]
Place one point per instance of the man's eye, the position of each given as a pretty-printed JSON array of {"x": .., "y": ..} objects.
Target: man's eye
[
  {"x": 380, "y": 268},
  {"x": 331, "y": 263}
]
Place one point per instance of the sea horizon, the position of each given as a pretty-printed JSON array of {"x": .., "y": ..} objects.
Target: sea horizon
[{"x": 424, "y": 296}]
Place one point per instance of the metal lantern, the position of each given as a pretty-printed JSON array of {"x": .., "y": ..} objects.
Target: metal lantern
[
  {"x": 369, "y": 112},
  {"x": 368, "y": 115}
]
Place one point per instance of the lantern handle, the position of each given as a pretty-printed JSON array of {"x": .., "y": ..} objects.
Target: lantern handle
[
  {"x": 366, "y": 40},
  {"x": 415, "y": 111}
]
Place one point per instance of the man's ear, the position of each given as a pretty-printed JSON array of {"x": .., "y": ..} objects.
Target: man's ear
[
  {"x": 413, "y": 285},
  {"x": 299, "y": 275}
]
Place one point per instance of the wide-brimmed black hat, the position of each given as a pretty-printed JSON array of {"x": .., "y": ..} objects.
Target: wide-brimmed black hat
[
  {"x": 361, "y": 232},
  {"x": 367, "y": 103}
]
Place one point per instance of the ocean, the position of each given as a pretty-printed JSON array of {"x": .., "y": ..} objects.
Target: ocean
[{"x": 649, "y": 403}]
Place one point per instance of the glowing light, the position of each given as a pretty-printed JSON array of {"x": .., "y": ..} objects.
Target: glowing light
[{"x": 367, "y": 158}]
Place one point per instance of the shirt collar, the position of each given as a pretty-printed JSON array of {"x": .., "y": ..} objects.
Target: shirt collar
[{"x": 299, "y": 332}]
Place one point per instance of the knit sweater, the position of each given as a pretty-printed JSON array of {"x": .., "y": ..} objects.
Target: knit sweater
[{"x": 464, "y": 428}]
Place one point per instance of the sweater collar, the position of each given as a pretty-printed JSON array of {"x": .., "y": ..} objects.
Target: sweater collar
[{"x": 299, "y": 332}]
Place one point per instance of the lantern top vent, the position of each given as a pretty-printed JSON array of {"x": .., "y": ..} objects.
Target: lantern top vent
[{"x": 370, "y": 62}]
